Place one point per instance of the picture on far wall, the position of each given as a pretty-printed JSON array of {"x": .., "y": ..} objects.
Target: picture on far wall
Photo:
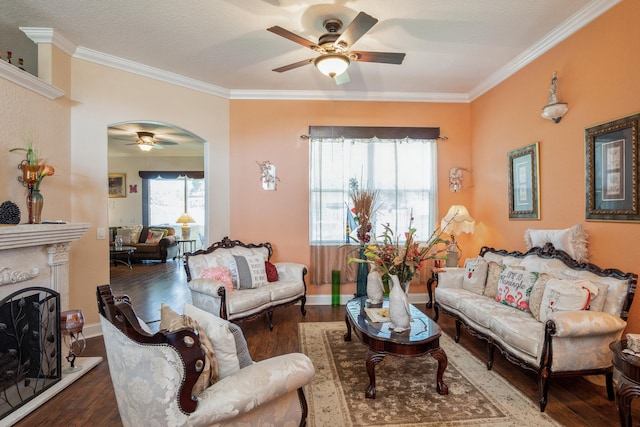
[
  {"x": 524, "y": 184},
  {"x": 612, "y": 170},
  {"x": 117, "y": 185}
]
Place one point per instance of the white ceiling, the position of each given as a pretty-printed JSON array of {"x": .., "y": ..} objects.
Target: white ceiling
[{"x": 455, "y": 49}]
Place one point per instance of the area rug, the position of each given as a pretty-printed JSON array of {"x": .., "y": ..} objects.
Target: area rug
[{"x": 406, "y": 387}]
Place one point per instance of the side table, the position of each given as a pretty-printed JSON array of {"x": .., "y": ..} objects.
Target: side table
[
  {"x": 183, "y": 246},
  {"x": 629, "y": 381},
  {"x": 432, "y": 279}
]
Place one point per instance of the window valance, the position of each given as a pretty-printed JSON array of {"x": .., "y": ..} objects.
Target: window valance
[
  {"x": 171, "y": 174},
  {"x": 369, "y": 132}
]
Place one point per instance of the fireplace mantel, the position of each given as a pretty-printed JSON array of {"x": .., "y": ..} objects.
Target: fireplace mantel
[
  {"x": 37, "y": 255},
  {"x": 25, "y": 235}
]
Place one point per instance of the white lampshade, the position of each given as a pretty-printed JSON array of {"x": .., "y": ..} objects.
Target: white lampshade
[
  {"x": 185, "y": 219},
  {"x": 457, "y": 220},
  {"x": 332, "y": 64}
]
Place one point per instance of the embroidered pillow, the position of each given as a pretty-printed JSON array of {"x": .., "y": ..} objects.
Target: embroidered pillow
[
  {"x": 493, "y": 275},
  {"x": 172, "y": 321},
  {"x": 272, "y": 272},
  {"x": 475, "y": 275},
  {"x": 563, "y": 295},
  {"x": 514, "y": 288},
  {"x": 220, "y": 274},
  {"x": 154, "y": 236},
  {"x": 251, "y": 271}
]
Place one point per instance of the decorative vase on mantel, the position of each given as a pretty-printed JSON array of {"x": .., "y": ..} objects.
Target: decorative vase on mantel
[
  {"x": 35, "y": 200},
  {"x": 399, "y": 311}
]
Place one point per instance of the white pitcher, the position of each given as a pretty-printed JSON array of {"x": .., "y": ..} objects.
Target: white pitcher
[{"x": 399, "y": 311}]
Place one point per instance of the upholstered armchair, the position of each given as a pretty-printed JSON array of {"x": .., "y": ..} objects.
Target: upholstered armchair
[{"x": 154, "y": 375}]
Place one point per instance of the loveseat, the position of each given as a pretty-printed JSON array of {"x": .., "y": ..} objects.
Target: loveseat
[
  {"x": 541, "y": 309},
  {"x": 237, "y": 281},
  {"x": 154, "y": 243}
]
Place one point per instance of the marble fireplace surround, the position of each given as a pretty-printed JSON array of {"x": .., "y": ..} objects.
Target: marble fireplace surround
[{"x": 38, "y": 255}]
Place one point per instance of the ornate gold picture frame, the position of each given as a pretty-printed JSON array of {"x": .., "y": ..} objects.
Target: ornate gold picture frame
[{"x": 117, "y": 185}]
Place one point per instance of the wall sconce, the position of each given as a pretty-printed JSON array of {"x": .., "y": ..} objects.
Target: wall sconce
[
  {"x": 268, "y": 175},
  {"x": 455, "y": 179},
  {"x": 555, "y": 109}
]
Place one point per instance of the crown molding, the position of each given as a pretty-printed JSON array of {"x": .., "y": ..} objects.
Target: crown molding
[
  {"x": 310, "y": 95},
  {"x": 558, "y": 34},
  {"x": 48, "y": 35},
  {"x": 28, "y": 81},
  {"x": 147, "y": 71}
]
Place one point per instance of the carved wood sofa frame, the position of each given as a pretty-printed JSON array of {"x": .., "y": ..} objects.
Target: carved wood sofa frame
[
  {"x": 227, "y": 243},
  {"x": 543, "y": 370}
]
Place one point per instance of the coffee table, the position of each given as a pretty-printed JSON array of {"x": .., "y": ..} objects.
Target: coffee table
[
  {"x": 116, "y": 255},
  {"x": 423, "y": 338}
]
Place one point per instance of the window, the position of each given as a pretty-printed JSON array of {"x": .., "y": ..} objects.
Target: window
[
  {"x": 167, "y": 195},
  {"x": 403, "y": 171}
]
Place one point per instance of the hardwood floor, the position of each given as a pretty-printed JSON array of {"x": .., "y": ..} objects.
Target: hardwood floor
[{"x": 91, "y": 400}]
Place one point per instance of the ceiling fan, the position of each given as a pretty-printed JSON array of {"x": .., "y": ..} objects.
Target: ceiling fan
[
  {"x": 334, "y": 47},
  {"x": 146, "y": 141}
]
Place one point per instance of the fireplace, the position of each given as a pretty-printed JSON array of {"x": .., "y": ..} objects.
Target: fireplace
[{"x": 34, "y": 290}]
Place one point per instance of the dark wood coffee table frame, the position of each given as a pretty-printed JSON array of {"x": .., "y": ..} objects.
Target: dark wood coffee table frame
[{"x": 423, "y": 338}]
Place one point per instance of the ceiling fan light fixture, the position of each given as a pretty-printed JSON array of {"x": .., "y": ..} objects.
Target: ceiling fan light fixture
[
  {"x": 146, "y": 137},
  {"x": 144, "y": 146},
  {"x": 332, "y": 64}
]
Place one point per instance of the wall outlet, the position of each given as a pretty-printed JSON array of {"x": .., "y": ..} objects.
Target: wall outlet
[{"x": 101, "y": 233}]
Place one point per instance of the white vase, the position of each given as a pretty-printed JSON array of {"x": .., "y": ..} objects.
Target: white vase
[
  {"x": 399, "y": 311},
  {"x": 375, "y": 288}
]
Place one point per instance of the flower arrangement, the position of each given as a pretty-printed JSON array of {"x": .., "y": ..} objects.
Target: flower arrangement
[
  {"x": 390, "y": 257},
  {"x": 365, "y": 203},
  {"x": 34, "y": 164}
]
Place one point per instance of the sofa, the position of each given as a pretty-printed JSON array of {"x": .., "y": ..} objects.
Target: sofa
[
  {"x": 541, "y": 309},
  {"x": 237, "y": 281},
  {"x": 154, "y": 243}
]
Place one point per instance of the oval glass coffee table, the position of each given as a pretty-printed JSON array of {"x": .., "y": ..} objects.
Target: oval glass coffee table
[{"x": 423, "y": 338}]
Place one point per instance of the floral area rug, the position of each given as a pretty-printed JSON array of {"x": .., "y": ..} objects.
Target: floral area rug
[{"x": 406, "y": 387}]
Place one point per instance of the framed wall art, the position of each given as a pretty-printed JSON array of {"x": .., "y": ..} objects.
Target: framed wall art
[
  {"x": 117, "y": 185},
  {"x": 612, "y": 170},
  {"x": 524, "y": 184}
]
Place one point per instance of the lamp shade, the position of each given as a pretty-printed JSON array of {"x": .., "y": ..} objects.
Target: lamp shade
[
  {"x": 457, "y": 220},
  {"x": 185, "y": 218},
  {"x": 332, "y": 64}
]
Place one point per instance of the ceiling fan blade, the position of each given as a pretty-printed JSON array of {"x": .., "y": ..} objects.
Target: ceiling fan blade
[
  {"x": 156, "y": 142},
  {"x": 294, "y": 65},
  {"x": 342, "y": 78},
  {"x": 293, "y": 37},
  {"x": 360, "y": 25},
  {"x": 383, "y": 57}
]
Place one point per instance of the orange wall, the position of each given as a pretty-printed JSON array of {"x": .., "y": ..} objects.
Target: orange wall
[
  {"x": 271, "y": 130},
  {"x": 598, "y": 77}
]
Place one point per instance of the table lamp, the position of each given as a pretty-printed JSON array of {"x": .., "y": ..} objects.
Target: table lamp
[
  {"x": 185, "y": 219},
  {"x": 456, "y": 221}
]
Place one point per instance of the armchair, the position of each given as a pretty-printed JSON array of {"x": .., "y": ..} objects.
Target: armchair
[{"x": 153, "y": 377}]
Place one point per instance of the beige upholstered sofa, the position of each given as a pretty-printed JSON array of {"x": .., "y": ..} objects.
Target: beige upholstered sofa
[
  {"x": 255, "y": 287},
  {"x": 155, "y": 375},
  {"x": 541, "y": 309}
]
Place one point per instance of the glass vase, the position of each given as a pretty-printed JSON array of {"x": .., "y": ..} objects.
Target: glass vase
[
  {"x": 361, "y": 278},
  {"x": 35, "y": 202}
]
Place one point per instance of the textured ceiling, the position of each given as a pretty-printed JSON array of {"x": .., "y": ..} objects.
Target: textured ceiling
[{"x": 453, "y": 47}]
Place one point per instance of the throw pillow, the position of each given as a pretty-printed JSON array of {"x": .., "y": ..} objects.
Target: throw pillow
[
  {"x": 251, "y": 271},
  {"x": 272, "y": 272},
  {"x": 135, "y": 233},
  {"x": 563, "y": 295},
  {"x": 535, "y": 299},
  {"x": 154, "y": 237},
  {"x": 171, "y": 322},
  {"x": 127, "y": 235},
  {"x": 493, "y": 275},
  {"x": 475, "y": 275},
  {"x": 220, "y": 274},
  {"x": 451, "y": 278},
  {"x": 571, "y": 240},
  {"x": 164, "y": 231},
  {"x": 221, "y": 337},
  {"x": 514, "y": 288},
  {"x": 597, "y": 302},
  {"x": 242, "y": 351}
]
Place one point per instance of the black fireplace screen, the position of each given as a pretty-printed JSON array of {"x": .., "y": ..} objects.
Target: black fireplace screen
[{"x": 30, "y": 337}]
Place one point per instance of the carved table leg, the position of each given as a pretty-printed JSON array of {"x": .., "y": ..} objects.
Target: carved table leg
[
  {"x": 430, "y": 290},
  {"x": 441, "y": 357},
  {"x": 627, "y": 391},
  {"x": 373, "y": 359},
  {"x": 347, "y": 336}
]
